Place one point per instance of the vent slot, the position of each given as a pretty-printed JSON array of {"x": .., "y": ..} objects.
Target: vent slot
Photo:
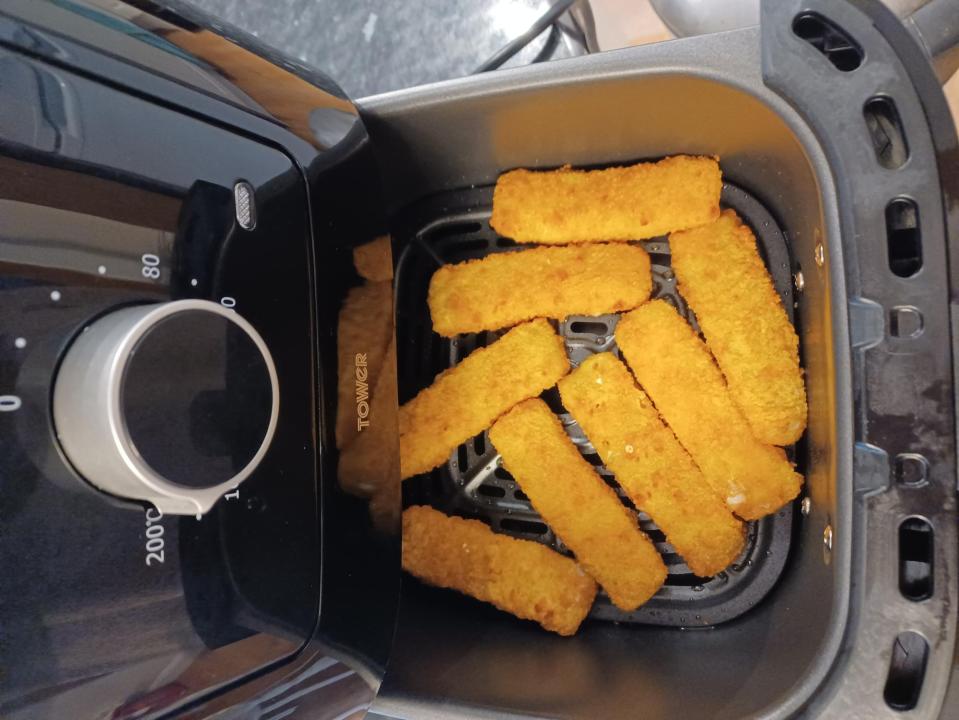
[
  {"x": 491, "y": 491},
  {"x": 903, "y": 237},
  {"x": 829, "y": 39},
  {"x": 907, "y": 668},
  {"x": 886, "y": 132},
  {"x": 479, "y": 444},
  {"x": 552, "y": 399},
  {"x": 593, "y": 459},
  {"x": 526, "y": 527},
  {"x": 686, "y": 580},
  {"x": 589, "y": 327},
  {"x": 655, "y": 534},
  {"x": 916, "y": 547},
  {"x": 440, "y": 351},
  {"x": 458, "y": 230}
]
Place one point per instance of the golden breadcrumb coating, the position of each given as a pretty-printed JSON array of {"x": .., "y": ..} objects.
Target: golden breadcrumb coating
[
  {"x": 649, "y": 463},
  {"x": 676, "y": 370},
  {"x": 521, "y": 577},
  {"x": 574, "y": 501},
  {"x": 620, "y": 203},
  {"x": 746, "y": 328},
  {"x": 464, "y": 400},
  {"x": 507, "y": 288}
]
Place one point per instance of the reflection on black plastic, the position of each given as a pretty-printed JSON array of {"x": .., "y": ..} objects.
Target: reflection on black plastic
[
  {"x": 222, "y": 387},
  {"x": 366, "y": 408},
  {"x": 140, "y": 211}
]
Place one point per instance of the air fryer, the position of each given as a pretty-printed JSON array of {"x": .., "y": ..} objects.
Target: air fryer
[{"x": 140, "y": 136}]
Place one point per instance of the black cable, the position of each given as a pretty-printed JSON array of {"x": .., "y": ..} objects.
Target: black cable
[
  {"x": 574, "y": 31},
  {"x": 549, "y": 47},
  {"x": 514, "y": 46}
]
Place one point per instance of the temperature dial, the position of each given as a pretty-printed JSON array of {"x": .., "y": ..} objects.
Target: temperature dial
[{"x": 173, "y": 403}]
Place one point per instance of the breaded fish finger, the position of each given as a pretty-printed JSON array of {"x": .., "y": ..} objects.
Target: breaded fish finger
[
  {"x": 621, "y": 203},
  {"x": 747, "y": 330},
  {"x": 649, "y": 463},
  {"x": 674, "y": 367},
  {"x": 582, "y": 509},
  {"x": 521, "y": 577},
  {"x": 465, "y": 399},
  {"x": 507, "y": 288}
]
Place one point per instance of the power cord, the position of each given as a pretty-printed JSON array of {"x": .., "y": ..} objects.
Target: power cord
[{"x": 514, "y": 46}]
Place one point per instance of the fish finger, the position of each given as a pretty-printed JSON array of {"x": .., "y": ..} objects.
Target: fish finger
[
  {"x": 725, "y": 281},
  {"x": 578, "y": 505},
  {"x": 620, "y": 203},
  {"x": 522, "y": 577},
  {"x": 464, "y": 400},
  {"x": 676, "y": 370},
  {"x": 507, "y": 288},
  {"x": 650, "y": 465}
]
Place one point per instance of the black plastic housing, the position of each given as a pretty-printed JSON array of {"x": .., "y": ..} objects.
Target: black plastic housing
[
  {"x": 124, "y": 129},
  {"x": 789, "y": 126}
]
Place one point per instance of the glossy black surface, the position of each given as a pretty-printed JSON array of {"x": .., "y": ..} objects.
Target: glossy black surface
[
  {"x": 122, "y": 134},
  {"x": 214, "y": 410},
  {"x": 88, "y": 227}
]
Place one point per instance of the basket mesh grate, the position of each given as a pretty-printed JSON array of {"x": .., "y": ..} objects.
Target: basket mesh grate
[{"x": 473, "y": 483}]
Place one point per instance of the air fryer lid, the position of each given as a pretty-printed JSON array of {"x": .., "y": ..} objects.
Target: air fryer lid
[{"x": 112, "y": 600}]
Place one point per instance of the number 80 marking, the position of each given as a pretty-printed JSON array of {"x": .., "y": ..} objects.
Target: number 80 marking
[{"x": 151, "y": 266}]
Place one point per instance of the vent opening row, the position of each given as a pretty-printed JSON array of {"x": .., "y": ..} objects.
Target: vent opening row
[
  {"x": 910, "y": 650},
  {"x": 886, "y": 133}
]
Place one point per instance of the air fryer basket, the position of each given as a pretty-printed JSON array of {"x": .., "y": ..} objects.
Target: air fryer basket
[
  {"x": 830, "y": 117},
  {"x": 454, "y": 227}
]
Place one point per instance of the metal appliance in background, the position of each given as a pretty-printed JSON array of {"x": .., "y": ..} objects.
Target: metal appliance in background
[{"x": 201, "y": 246}]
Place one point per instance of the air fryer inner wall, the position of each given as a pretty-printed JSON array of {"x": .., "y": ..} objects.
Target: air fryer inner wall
[{"x": 464, "y": 134}]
